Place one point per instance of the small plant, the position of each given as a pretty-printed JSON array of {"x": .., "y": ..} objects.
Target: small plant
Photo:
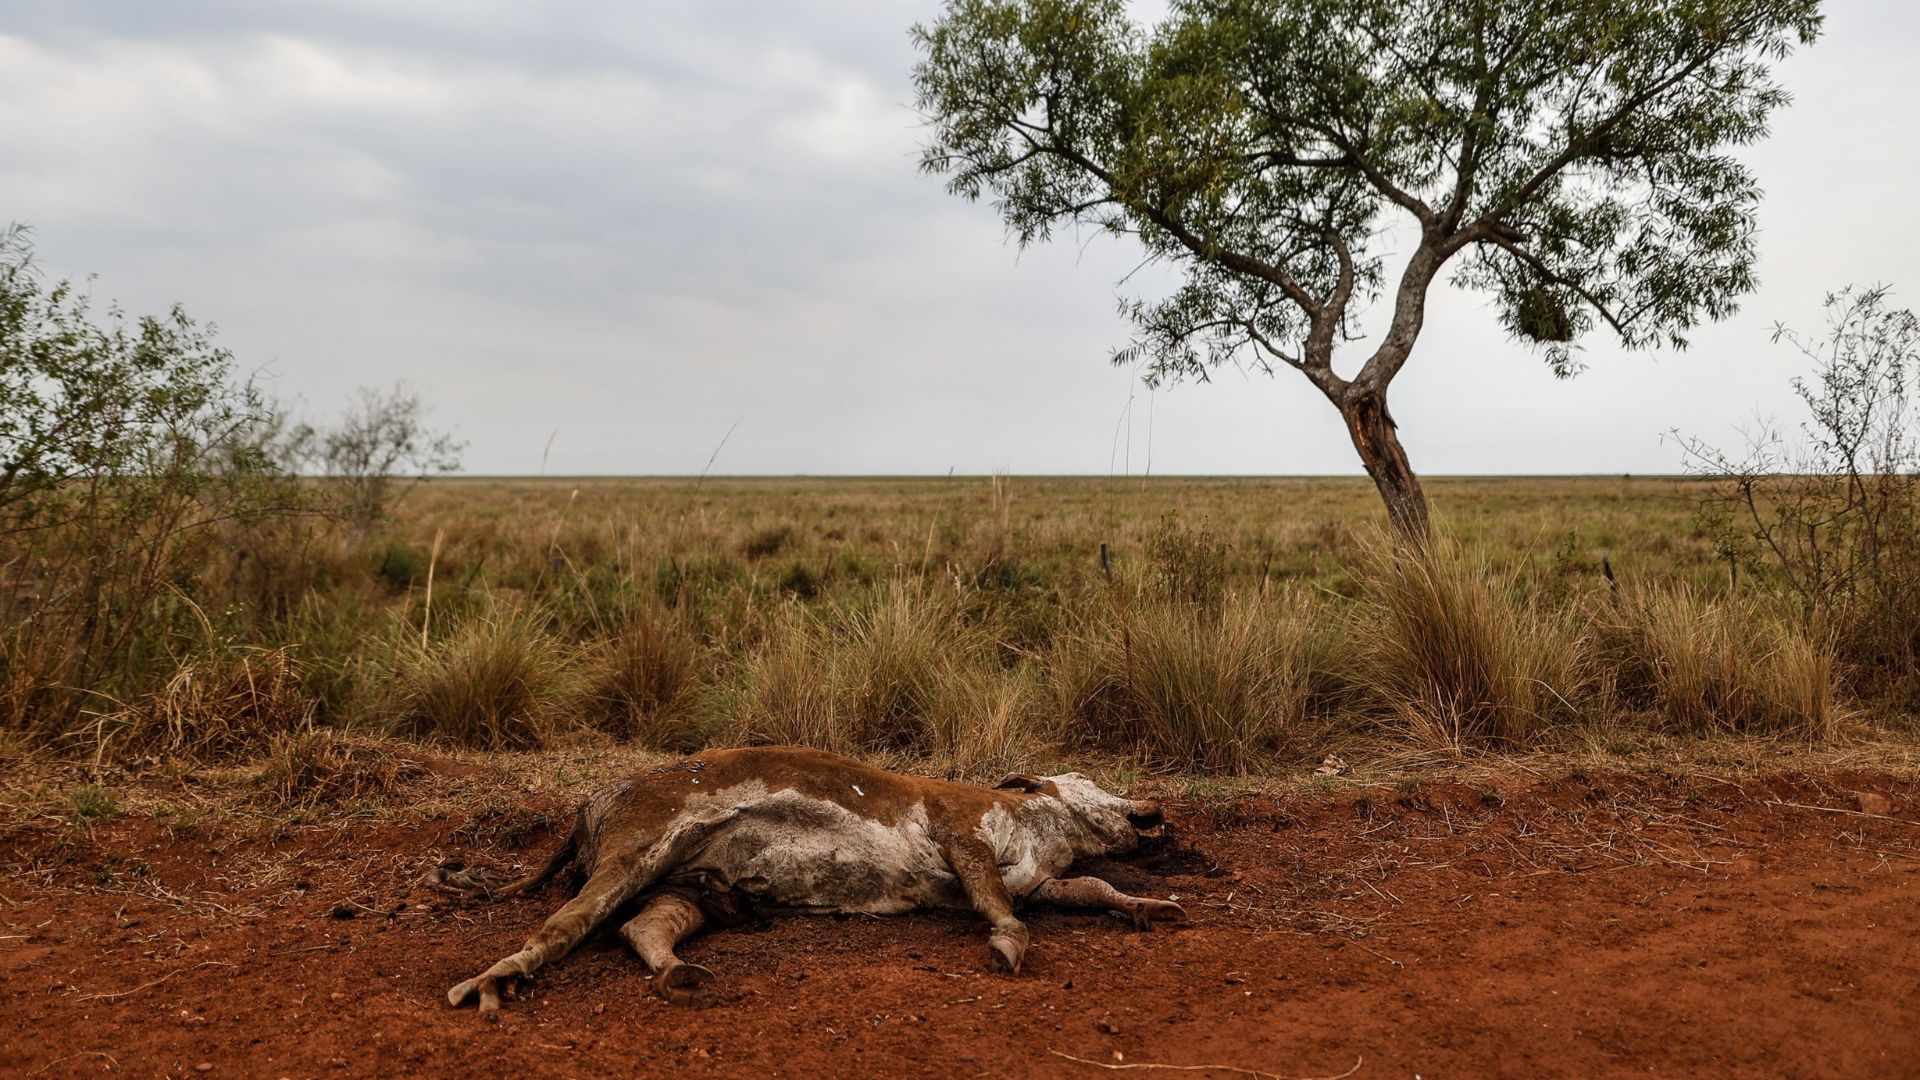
[
  {"x": 93, "y": 804},
  {"x": 1189, "y": 564}
]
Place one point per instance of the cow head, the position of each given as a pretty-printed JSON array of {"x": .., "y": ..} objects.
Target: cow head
[{"x": 1104, "y": 823}]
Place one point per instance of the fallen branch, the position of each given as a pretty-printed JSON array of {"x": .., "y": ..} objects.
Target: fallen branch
[{"x": 1256, "y": 1073}]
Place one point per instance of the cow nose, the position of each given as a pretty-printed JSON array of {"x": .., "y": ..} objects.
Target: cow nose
[{"x": 1145, "y": 815}]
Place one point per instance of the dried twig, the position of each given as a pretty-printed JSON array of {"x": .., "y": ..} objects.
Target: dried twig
[
  {"x": 1838, "y": 810},
  {"x": 1208, "y": 1068},
  {"x": 158, "y": 981},
  {"x": 70, "y": 1057}
]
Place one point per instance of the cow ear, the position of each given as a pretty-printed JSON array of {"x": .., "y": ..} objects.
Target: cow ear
[{"x": 1018, "y": 782}]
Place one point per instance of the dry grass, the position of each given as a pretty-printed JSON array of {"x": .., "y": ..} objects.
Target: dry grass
[
  {"x": 1725, "y": 666},
  {"x": 644, "y": 683},
  {"x": 1227, "y": 688},
  {"x": 321, "y": 768},
  {"x": 1233, "y": 626},
  {"x": 500, "y": 681},
  {"x": 218, "y": 708},
  {"x": 1453, "y": 653},
  {"x": 904, "y": 672}
]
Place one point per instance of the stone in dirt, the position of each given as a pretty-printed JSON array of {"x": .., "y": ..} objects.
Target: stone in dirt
[{"x": 1871, "y": 803}]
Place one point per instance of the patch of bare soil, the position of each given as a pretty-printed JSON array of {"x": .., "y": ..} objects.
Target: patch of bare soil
[{"x": 1593, "y": 926}]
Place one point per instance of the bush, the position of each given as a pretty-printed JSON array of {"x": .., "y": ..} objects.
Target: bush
[
  {"x": 124, "y": 445},
  {"x": 1831, "y": 517}
]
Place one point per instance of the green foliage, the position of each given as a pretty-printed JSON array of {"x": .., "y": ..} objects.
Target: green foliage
[
  {"x": 92, "y": 803},
  {"x": 1573, "y": 152},
  {"x": 127, "y": 447},
  {"x": 1189, "y": 564},
  {"x": 1567, "y": 157}
]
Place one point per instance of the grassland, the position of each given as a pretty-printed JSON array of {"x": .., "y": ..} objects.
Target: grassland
[{"x": 1225, "y": 626}]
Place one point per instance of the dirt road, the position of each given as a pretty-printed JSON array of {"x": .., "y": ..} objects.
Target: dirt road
[{"x": 1586, "y": 926}]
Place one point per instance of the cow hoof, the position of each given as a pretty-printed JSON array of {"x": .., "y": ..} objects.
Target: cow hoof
[
  {"x": 462, "y": 993},
  {"x": 686, "y": 984},
  {"x": 1006, "y": 954},
  {"x": 1148, "y": 912}
]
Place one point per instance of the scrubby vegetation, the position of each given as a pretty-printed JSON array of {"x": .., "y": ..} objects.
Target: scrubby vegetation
[
  {"x": 173, "y": 587},
  {"x": 1208, "y": 639}
]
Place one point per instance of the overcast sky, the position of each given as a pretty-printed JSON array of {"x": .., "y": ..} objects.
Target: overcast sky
[{"x": 635, "y": 224}]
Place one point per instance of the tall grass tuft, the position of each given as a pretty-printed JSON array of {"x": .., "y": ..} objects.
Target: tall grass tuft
[
  {"x": 1226, "y": 686},
  {"x": 644, "y": 682},
  {"x": 1722, "y": 666},
  {"x": 1453, "y": 654},
  {"x": 498, "y": 682},
  {"x": 902, "y": 671}
]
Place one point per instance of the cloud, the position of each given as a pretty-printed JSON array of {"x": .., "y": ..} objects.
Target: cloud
[{"x": 638, "y": 223}]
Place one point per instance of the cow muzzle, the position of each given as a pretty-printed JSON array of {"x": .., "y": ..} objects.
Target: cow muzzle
[{"x": 1147, "y": 821}]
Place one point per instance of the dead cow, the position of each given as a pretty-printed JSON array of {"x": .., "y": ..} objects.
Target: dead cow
[{"x": 786, "y": 830}]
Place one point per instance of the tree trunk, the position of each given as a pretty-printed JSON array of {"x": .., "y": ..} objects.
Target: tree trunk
[{"x": 1375, "y": 437}]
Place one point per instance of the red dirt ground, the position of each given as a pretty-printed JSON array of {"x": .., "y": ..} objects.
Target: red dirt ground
[{"x": 1598, "y": 926}]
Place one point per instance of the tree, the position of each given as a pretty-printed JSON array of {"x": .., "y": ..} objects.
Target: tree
[
  {"x": 382, "y": 437},
  {"x": 1568, "y": 157}
]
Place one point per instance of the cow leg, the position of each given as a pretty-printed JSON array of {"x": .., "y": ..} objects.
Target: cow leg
[
  {"x": 1091, "y": 892},
  {"x": 666, "y": 921},
  {"x": 616, "y": 880},
  {"x": 973, "y": 863}
]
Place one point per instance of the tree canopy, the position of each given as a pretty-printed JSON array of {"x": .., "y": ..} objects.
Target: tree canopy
[{"x": 1569, "y": 158}]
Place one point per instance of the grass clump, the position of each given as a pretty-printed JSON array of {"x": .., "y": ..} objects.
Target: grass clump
[
  {"x": 644, "y": 682},
  {"x": 219, "y": 708},
  {"x": 1453, "y": 654},
  {"x": 1721, "y": 666},
  {"x": 903, "y": 671},
  {"x": 497, "y": 682},
  {"x": 323, "y": 768},
  {"x": 1190, "y": 686}
]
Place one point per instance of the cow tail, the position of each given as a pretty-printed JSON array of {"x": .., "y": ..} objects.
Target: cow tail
[{"x": 452, "y": 875}]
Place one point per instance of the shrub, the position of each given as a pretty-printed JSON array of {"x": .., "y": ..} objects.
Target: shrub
[{"x": 1831, "y": 516}]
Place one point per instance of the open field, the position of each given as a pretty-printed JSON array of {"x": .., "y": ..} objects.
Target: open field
[
  {"x": 1527, "y": 919},
  {"x": 1592, "y": 800},
  {"x": 974, "y": 624}
]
